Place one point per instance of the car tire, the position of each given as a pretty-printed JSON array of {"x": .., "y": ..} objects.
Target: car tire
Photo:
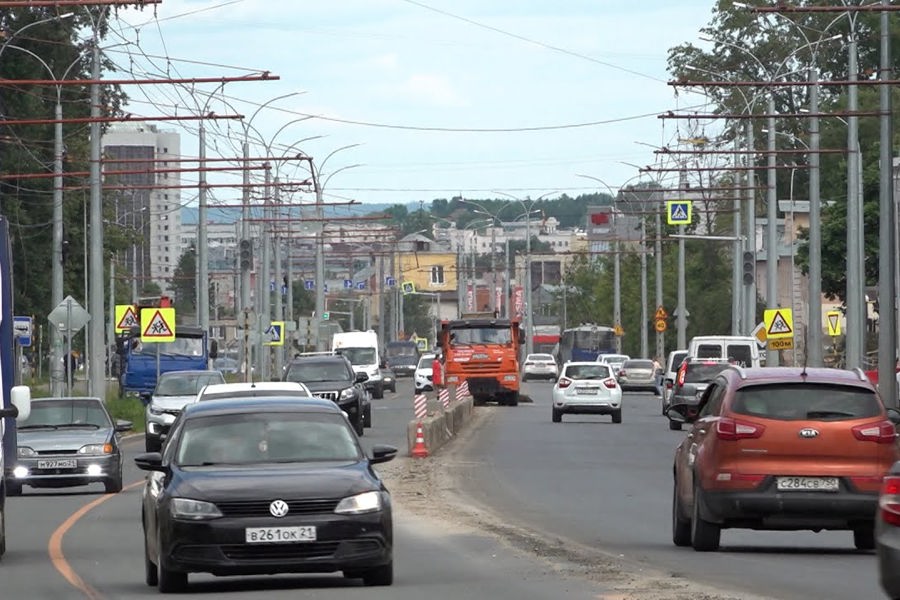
[
  {"x": 113, "y": 485},
  {"x": 378, "y": 392},
  {"x": 557, "y": 416},
  {"x": 864, "y": 538},
  {"x": 705, "y": 536},
  {"x": 152, "y": 444},
  {"x": 512, "y": 399},
  {"x": 367, "y": 416},
  {"x": 359, "y": 426},
  {"x": 13, "y": 488},
  {"x": 383, "y": 575},
  {"x": 170, "y": 582},
  {"x": 617, "y": 416},
  {"x": 681, "y": 527},
  {"x": 674, "y": 425}
]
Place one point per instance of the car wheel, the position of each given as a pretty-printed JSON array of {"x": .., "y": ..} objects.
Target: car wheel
[
  {"x": 13, "y": 488},
  {"x": 681, "y": 527},
  {"x": 359, "y": 426},
  {"x": 557, "y": 416},
  {"x": 170, "y": 581},
  {"x": 512, "y": 399},
  {"x": 367, "y": 416},
  {"x": 378, "y": 392},
  {"x": 617, "y": 416},
  {"x": 864, "y": 538},
  {"x": 152, "y": 444},
  {"x": 113, "y": 485},
  {"x": 383, "y": 575},
  {"x": 674, "y": 425},
  {"x": 705, "y": 536}
]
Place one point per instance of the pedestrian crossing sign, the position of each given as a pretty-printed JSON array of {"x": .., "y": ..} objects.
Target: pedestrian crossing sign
[
  {"x": 126, "y": 318},
  {"x": 157, "y": 324},
  {"x": 678, "y": 212},
  {"x": 274, "y": 334},
  {"x": 779, "y": 323}
]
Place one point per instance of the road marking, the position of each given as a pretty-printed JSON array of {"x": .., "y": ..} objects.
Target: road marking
[{"x": 54, "y": 548}]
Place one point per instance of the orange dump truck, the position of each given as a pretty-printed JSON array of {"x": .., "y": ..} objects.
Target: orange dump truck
[{"x": 483, "y": 351}]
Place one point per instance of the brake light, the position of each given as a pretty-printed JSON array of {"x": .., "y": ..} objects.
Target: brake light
[
  {"x": 621, "y": 372},
  {"x": 669, "y": 385},
  {"x": 889, "y": 501},
  {"x": 731, "y": 430},
  {"x": 564, "y": 383},
  {"x": 682, "y": 371},
  {"x": 610, "y": 383},
  {"x": 882, "y": 432}
]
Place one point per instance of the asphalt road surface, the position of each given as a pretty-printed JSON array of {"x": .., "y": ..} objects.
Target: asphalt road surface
[
  {"x": 80, "y": 543},
  {"x": 609, "y": 486}
]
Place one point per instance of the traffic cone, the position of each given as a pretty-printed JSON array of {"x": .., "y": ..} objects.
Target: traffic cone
[{"x": 419, "y": 450}]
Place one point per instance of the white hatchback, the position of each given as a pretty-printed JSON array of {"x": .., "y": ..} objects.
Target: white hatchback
[{"x": 587, "y": 388}]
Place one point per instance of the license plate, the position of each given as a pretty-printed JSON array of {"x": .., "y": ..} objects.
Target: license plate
[
  {"x": 279, "y": 535},
  {"x": 807, "y": 484},
  {"x": 586, "y": 391},
  {"x": 57, "y": 464}
]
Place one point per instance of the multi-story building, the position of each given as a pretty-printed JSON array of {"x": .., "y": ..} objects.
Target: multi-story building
[{"x": 144, "y": 203}]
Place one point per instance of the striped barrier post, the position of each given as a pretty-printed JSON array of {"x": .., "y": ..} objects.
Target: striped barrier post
[
  {"x": 420, "y": 406},
  {"x": 462, "y": 390},
  {"x": 444, "y": 396}
]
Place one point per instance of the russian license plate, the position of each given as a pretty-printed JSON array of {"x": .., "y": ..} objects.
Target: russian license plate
[
  {"x": 807, "y": 484},
  {"x": 57, "y": 464},
  {"x": 279, "y": 535},
  {"x": 588, "y": 391}
]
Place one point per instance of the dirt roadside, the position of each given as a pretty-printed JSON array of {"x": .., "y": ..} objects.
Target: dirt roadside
[{"x": 426, "y": 488}]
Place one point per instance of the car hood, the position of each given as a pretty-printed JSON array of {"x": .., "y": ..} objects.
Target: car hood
[
  {"x": 293, "y": 482},
  {"x": 173, "y": 402},
  {"x": 327, "y": 386},
  {"x": 47, "y": 440}
]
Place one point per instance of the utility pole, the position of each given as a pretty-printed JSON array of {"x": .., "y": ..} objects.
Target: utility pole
[
  {"x": 772, "y": 226},
  {"x": 529, "y": 308},
  {"x": 280, "y": 293},
  {"x": 657, "y": 251},
  {"x": 814, "y": 328},
  {"x": 320, "y": 260},
  {"x": 617, "y": 290},
  {"x": 246, "y": 354},
  {"x": 264, "y": 314},
  {"x": 202, "y": 241},
  {"x": 736, "y": 275},
  {"x": 681, "y": 309},
  {"x": 855, "y": 333},
  {"x": 96, "y": 340},
  {"x": 645, "y": 322},
  {"x": 750, "y": 295}
]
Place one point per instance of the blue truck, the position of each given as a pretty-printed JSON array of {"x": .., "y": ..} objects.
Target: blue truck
[
  {"x": 140, "y": 363},
  {"x": 15, "y": 401}
]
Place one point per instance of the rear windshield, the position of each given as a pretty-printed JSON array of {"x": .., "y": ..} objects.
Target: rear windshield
[
  {"x": 638, "y": 364},
  {"x": 709, "y": 351},
  {"x": 596, "y": 371},
  {"x": 677, "y": 359},
  {"x": 739, "y": 354},
  {"x": 703, "y": 372},
  {"x": 803, "y": 402}
]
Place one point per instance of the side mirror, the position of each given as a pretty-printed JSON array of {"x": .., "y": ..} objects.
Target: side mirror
[
  {"x": 361, "y": 377},
  {"x": 151, "y": 461},
  {"x": 893, "y": 416},
  {"x": 122, "y": 425},
  {"x": 682, "y": 413},
  {"x": 213, "y": 348},
  {"x": 382, "y": 453},
  {"x": 20, "y": 397},
  {"x": 145, "y": 398}
]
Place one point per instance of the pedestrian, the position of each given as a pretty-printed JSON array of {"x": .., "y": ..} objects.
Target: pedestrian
[
  {"x": 437, "y": 373},
  {"x": 657, "y": 375}
]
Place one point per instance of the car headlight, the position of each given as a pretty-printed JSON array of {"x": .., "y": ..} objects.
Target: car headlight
[
  {"x": 25, "y": 452},
  {"x": 154, "y": 410},
  {"x": 348, "y": 393},
  {"x": 194, "y": 510},
  {"x": 96, "y": 449},
  {"x": 360, "y": 504}
]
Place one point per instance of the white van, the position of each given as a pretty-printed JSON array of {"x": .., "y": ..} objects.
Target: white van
[
  {"x": 743, "y": 350},
  {"x": 361, "y": 347}
]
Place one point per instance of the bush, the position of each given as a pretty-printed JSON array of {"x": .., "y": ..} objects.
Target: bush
[{"x": 128, "y": 408}]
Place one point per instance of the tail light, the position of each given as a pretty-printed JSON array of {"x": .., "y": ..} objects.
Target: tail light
[
  {"x": 610, "y": 383},
  {"x": 729, "y": 429},
  {"x": 882, "y": 432},
  {"x": 621, "y": 372},
  {"x": 669, "y": 385},
  {"x": 528, "y": 363},
  {"x": 681, "y": 373},
  {"x": 564, "y": 382},
  {"x": 889, "y": 501}
]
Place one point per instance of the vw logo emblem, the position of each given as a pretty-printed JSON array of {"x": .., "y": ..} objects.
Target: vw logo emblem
[
  {"x": 278, "y": 508},
  {"x": 809, "y": 432}
]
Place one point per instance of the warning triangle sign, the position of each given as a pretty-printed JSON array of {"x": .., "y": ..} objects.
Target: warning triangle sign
[
  {"x": 128, "y": 320},
  {"x": 779, "y": 325},
  {"x": 679, "y": 212},
  {"x": 158, "y": 328},
  {"x": 833, "y": 321}
]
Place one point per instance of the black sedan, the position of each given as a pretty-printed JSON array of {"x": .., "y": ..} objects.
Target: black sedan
[{"x": 263, "y": 486}]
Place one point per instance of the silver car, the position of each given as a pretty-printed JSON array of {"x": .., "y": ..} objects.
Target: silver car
[
  {"x": 587, "y": 388},
  {"x": 539, "y": 366},
  {"x": 637, "y": 374},
  {"x": 174, "y": 390},
  {"x": 68, "y": 441}
]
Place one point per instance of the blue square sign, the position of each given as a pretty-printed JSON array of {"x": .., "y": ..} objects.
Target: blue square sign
[
  {"x": 360, "y": 285},
  {"x": 348, "y": 284},
  {"x": 678, "y": 212},
  {"x": 309, "y": 284}
]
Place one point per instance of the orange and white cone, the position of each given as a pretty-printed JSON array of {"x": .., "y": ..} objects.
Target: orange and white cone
[{"x": 419, "y": 449}]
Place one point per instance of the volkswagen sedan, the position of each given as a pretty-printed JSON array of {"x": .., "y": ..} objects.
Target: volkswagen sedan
[
  {"x": 587, "y": 388},
  {"x": 265, "y": 486}
]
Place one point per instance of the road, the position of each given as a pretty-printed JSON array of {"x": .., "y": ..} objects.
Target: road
[
  {"x": 609, "y": 486},
  {"x": 94, "y": 540}
]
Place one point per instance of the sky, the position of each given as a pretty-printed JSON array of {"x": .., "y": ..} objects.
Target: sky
[{"x": 415, "y": 100}]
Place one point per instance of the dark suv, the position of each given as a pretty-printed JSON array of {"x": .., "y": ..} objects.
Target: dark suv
[
  {"x": 331, "y": 376},
  {"x": 693, "y": 377}
]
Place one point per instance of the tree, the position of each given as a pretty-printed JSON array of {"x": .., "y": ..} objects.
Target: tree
[{"x": 185, "y": 282}]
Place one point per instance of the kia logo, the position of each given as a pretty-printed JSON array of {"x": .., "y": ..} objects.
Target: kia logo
[
  {"x": 279, "y": 508},
  {"x": 809, "y": 432}
]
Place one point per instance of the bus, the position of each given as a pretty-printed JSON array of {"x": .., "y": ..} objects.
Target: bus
[{"x": 585, "y": 342}]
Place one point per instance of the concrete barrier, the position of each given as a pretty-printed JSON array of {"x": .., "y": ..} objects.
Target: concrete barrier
[{"x": 440, "y": 426}]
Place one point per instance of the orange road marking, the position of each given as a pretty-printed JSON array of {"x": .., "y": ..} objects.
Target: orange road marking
[{"x": 54, "y": 548}]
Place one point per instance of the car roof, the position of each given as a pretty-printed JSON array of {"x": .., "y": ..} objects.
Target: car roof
[
  {"x": 191, "y": 372},
  {"x": 580, "y": 363},
  {"x": 33, "y": 400},
  {"x": 320, "y": 358},
  {"x": 258, "y": 404},
  {"x": 249, "y": 386},
  {"x": 800, "y": 375}
]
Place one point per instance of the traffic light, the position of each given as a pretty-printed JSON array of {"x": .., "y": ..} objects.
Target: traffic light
[
  {"x": 246, "y": 249},
  {"x": 749, "y": 268}
]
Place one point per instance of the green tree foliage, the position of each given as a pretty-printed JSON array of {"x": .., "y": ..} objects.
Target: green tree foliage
[{"x": 185, "y": 282}]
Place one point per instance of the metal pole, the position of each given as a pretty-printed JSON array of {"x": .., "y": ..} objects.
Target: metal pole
[
  {"x": 771, "y": 226},
  {"x": 645, "y": 322},
  {"x": 202, "y": 241},
  {"x": 494, "y": 306},
  {"x": 265, "y": 299},
  {"x": 814, "y": 327},
  {"x": 111, "y": 335},
  {"x": 57, "y": 269},
  {"x": 507, "y": 287},
  {"x": 617, "y": 293},
  {"x": 887, "y": 341},
  {"x": 96, "y": 339},
  {"x": 245, "y": 305},
  {"x": 320, "y": 261},
  {"x": 529, "y": 311},
  {"x": 289, "y": 301},
  {"x": 736, "y": 274},
  {"x": 381, "y": 288},
  {"x": 681, "y": 317},
  {"x": 657, "y": 251},
  {"x": 750, "y": 297},
  {"x": 68, "y": 359},
  {"x": 279, "y": 296},
  {"x": 855, "y": 292}
]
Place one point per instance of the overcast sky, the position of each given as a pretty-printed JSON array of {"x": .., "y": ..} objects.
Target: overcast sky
[{"x": 444, "y": 97}]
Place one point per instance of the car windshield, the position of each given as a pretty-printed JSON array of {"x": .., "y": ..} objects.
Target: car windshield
[
  {"x": 425, "y": 362},
  {"x": 398, "y": 350},
  {"x": 540, "y": 357},
  {"x": 480, "y": 335},
  {"x": 186, "y": 384},
  {"x": 265, "y": 437},
  {"x": 64, "y": 412},
  {"x": 596, "y": 371},
  {"x": 805, "y": 402},
  {"x": 179, "y": 346},
  {"x": 311, "y": 372},
  {"x": 703, "y": 372},
  {"x": 359, "y": 356}
]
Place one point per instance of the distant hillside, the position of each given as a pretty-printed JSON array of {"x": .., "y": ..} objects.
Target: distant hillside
[{"x": 189, "y": 214}]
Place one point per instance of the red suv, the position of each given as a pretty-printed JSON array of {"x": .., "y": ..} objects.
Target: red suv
[{"x": 782, "y": 449}]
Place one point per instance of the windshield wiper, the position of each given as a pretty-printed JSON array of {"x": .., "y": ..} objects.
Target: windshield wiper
[
  {"x": 41, "y": 426},
  {"x": 91, "y": 425}
]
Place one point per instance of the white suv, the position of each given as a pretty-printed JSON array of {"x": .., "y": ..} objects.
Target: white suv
[{"x": 422, "y": 378}]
